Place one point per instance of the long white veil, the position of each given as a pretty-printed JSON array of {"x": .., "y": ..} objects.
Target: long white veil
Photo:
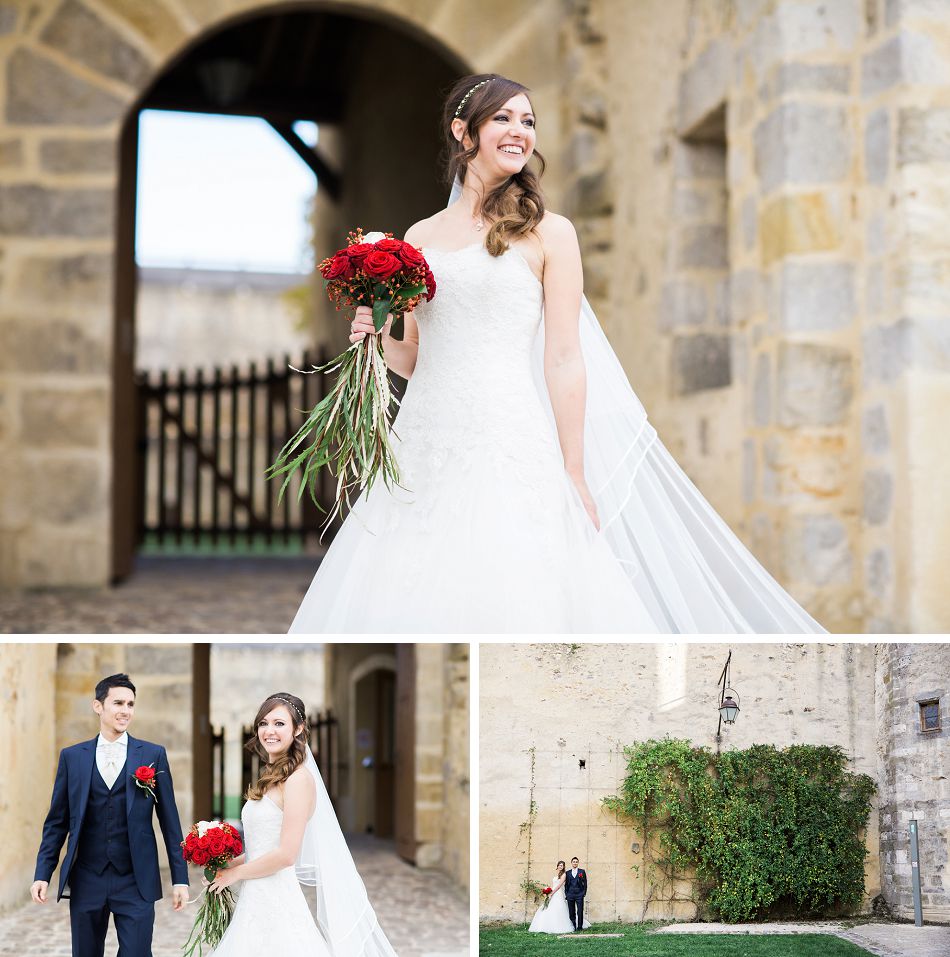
[
  {"x": 689, "y": 568},
  {"x": 344, "y": 914}
]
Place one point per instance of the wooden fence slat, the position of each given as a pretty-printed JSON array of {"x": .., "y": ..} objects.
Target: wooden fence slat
[
  {"x": 216, "y": 446},
  {"x": 186, "y": 441}
]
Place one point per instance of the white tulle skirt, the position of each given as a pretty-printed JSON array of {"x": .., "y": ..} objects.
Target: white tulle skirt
[{"x": 472, "y": 550}]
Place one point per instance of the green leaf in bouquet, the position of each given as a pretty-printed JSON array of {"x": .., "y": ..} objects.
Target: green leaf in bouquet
[
  {"x": 405, "y": 293},
  {"x": 381, "y": 309}
]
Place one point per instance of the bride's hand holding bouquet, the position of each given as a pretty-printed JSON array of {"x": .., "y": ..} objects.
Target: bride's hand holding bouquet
[{"x": 348, "y": 431}]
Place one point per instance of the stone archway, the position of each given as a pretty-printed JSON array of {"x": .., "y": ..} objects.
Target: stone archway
[{"x": 74, "y": 70}]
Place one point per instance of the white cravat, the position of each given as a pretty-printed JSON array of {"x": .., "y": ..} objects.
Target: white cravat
[
  {"x": 110, "y": 757},
  {"x": 573, "y": 872}
]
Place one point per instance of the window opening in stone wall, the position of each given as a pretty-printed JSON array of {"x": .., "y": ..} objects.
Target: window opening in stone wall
[{"x": 930, "y": 715}]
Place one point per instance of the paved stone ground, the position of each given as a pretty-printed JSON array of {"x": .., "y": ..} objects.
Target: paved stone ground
[
  {"x": 421, "y": 913},
  {"x": 885, "y": 940},
  {"x": 171, "y": 596}
]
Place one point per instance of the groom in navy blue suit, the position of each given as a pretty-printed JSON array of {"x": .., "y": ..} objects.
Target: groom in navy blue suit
[{"x": 111, "y": 863}]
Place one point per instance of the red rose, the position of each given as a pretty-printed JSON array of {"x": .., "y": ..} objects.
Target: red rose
[
  {"x": 200, "y": 857},
  {"x": 145, "y": 774},
  {"x": 217, "y": 846},
  {"x": 430, "y": 285},
  {"x": 410, "y": 255},
  {"x": 204, "y": 843},
  {"x": 339, "y": 267},
  {"x": 237, "y": 846},
  {"x": 388, "y": 245},
  {"x": 358, "y": 252},
  {"x": 380, "y": 265}
]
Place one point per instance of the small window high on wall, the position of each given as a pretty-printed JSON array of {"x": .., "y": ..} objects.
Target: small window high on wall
[{"x": 929, "y": 715}]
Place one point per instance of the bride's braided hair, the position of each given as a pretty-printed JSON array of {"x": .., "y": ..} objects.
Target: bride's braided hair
[
  {"x": 516, "y": 206},
  {"x": 275, "y": 773}
]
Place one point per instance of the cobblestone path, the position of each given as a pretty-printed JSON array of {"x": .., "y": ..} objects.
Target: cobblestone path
[
  {"x": 420, "y": 911},
  {"x": 884, "y": 940},
  {"x": 171, "y": 596}
]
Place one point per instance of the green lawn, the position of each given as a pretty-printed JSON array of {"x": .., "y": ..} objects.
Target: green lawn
[{"x": 508, "y": 941}]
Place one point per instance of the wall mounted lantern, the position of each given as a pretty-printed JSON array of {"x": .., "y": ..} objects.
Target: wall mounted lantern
[{"x": 728, "y": 703}]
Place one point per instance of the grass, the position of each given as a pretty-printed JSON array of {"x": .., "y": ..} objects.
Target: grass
[{"x": 638, "y": 941}]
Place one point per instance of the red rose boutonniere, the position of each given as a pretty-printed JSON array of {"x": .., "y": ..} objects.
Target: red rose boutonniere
[{"x": 145, "y": 779}]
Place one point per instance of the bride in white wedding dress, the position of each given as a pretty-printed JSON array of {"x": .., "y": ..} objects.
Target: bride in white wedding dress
[
  {"x": 291, "y": 836},
  {"x": 536, "y": 496}
]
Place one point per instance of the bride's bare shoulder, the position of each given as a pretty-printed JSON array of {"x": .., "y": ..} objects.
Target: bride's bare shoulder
[
  {"x": 556, "y": 230},
  {"x": 418, "y": 234}
]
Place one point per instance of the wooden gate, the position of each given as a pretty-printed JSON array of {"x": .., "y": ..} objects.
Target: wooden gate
[
  {"x": 204, "y": 444},
  {"x": 324, "y": 743},
  {"x": 405, "y": 809},
  {"x": 217, "y": 774}
]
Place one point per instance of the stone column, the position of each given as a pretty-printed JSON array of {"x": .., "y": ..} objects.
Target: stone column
[
  {"x": 28, "y": 757},
  {"x": 913, "y": 770},
  {"x": 69, "y": 74},
  {"x": 906, "y": 337}
]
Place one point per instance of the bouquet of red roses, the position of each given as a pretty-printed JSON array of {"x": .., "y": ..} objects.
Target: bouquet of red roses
[
  {"x": 547, "y": 898},
  {"x": 211, "y": 845},
  {"x": 348, "y": 431}
]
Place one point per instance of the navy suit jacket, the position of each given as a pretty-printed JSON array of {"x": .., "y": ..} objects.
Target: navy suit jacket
[
  {"x": 575, "y": 888},
  {"x": 67, "y": 811}
]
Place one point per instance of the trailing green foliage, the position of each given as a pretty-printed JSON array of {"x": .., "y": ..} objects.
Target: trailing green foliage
[{"x": 759, "y": 831}]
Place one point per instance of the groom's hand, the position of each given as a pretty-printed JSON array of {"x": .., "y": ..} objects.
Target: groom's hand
[
  {"x": 38, "y": 891},
  {"x": 179, "y": 896}
]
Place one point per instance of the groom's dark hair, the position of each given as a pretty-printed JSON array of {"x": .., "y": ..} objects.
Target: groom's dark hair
[{"x": 113, "y": 681}]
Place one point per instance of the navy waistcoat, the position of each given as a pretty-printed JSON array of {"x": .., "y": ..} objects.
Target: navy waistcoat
[{"x": 104, "y": 838}]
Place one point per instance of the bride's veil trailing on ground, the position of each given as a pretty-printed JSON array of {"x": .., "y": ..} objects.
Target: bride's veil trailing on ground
[
  {"x": 691, "y": 571},
  {"x": 344, "y": 914}
]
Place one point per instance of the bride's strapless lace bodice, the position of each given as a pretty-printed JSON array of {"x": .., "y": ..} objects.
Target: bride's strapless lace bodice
[
  {"x": 476, "y": 336},
  {"x": 472, "y": 399},
  {"x": 256, "y": 927},
  {"x": 262, "y": 822}
]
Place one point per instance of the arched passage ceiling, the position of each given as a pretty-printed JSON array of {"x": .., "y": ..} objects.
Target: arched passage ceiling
[{"x": 287, "y": 65}]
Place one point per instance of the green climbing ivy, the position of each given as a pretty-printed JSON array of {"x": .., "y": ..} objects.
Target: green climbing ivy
[{"x": 758, "y": 832}]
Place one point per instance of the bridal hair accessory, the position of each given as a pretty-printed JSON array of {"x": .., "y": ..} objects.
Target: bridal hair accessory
[
  {"x": 464, "y": 99},
  {"x": 277, "y": 697}
]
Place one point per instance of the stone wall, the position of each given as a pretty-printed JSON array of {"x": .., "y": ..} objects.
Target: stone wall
[
  {"x": 914, "y": 768},
  {"x": 758, "y": 194},
  {"x": 442, "y": 759},
  {"x": 202, "y": 318},
  {"x": 570, "y": 709},
  {"x": 28, "y": 715},
  {"x": 456, "y": 768}
]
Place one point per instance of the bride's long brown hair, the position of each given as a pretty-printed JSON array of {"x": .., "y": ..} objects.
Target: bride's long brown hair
[
  {"x": 515, "y": 206},
  {"x": 276, "y": 772}
]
